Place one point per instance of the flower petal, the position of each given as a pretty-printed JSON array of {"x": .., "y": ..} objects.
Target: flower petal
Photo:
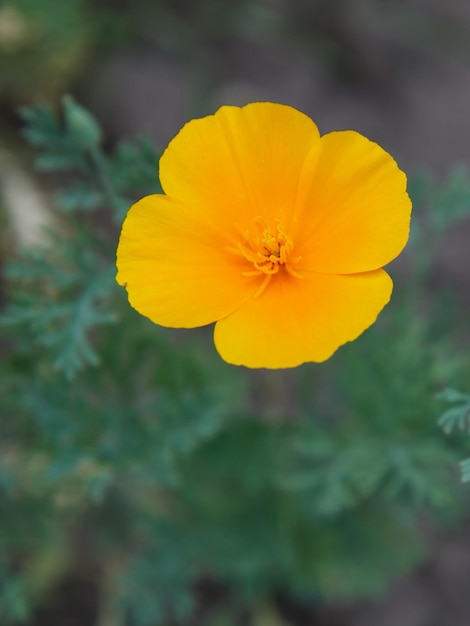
[
  {"x": 240, "y": 163},
  {"x": 356, "y": 213},
  {"x": 296, "y": 321},
  {"x": 175, "y": 271}
]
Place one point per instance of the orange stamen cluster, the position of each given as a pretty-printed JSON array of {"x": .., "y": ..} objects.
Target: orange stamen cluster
[{"x": 269, "y": 251}]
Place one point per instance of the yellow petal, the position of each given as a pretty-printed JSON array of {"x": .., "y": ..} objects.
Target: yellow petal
[
  {"x": 356, "y": 211},
  {"x": 240, "y": 163},
  {"x": 176, "y": 272},
  {"x": 296, "y": 321}
]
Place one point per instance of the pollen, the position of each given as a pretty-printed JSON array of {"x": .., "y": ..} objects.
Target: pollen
[{"x": 268, "y": 249}]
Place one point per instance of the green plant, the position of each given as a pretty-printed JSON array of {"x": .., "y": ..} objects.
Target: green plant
[{"x": 134, "y": 450}]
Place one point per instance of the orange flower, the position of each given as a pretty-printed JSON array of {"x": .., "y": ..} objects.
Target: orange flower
[{"x": 271, "y": 231}]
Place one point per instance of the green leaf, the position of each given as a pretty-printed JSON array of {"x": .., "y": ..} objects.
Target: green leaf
[
  {"x": 79, "y": 198},
  {"x": 50, "y": 162},
  {"x": 465, "y": 468},
  {"x": 80, "y": 125},
  {"x": 457, "y": 417}
]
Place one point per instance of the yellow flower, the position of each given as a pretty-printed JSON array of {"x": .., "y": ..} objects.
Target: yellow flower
[{"x": 275, "y": 233}]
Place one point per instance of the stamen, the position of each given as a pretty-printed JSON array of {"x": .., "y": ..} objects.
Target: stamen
[
  {"x": 294, "y": 272},
  {"x": 269, "y": 251},
  {"x": 263, "y": 286}
]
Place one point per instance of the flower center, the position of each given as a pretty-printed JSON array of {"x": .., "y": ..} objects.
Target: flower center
[{"x": 269, "y": 250}]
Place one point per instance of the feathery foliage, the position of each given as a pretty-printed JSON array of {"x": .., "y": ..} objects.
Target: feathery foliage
[{"x": 138, "y": 443}]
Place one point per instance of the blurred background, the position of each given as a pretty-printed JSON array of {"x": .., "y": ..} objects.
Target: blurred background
[
  {"x": 397, "y": 72},
  {"x": 146, "y": 484}
]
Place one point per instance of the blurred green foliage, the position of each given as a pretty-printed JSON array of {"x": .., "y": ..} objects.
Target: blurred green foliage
[
  {"x": 42, "y": 44},
  {"x": 457, "y": 417},
  {"x": 132, "y": 452}
]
